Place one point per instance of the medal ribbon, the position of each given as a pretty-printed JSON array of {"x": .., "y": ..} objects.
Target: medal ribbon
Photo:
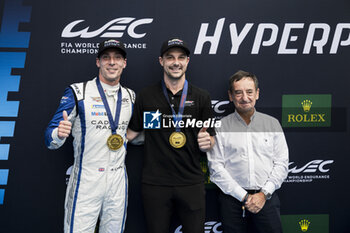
[
  {"x": 113, "y": 123},
  {"x": 177, "y": 117}
]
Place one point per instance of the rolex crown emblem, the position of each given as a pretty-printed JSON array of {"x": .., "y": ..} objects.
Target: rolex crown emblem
[
  {"x": 306, "y": 105},
  {"x": 304, "y": 225}
]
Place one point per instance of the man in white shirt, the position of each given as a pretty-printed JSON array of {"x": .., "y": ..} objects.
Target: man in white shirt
[{"x": 248, "y": 162}]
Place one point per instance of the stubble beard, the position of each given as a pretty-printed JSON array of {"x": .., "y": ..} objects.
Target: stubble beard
[
  {"x": 172, "y": 77},
  {"x": 108, "y": 78}
]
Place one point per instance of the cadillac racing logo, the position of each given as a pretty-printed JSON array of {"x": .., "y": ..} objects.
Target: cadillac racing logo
[{"x": 117, "y": 28}]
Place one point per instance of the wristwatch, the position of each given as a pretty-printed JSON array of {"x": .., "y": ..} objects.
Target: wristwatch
[{"x": 267, "y": 194}]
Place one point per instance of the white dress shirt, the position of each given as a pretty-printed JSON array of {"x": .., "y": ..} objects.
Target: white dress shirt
[{"x": 248, "y": 157}]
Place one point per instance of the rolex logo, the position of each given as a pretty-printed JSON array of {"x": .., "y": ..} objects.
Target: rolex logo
[
  {"x": 306, "y": 105},
  {"x": 297, "y": 112},
  {"x": 304, "y": 225}
]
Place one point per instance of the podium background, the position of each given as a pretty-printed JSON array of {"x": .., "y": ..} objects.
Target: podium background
[{"x": 296, "y": 56}]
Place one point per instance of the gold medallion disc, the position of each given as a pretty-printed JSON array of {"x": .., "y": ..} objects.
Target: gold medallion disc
[
  {"x": 115, "y": 141},
  {"x": 177, "y": 139}
]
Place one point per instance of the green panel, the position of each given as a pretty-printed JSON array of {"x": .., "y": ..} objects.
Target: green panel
[
  {"x": 310, "y": 223},
  {"x": 205, "y": 169},
  {"x": 306, "y": 110}
]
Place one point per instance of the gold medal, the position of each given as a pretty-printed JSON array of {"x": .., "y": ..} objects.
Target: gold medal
[
  {"x": 177, "y": 139},
  {"x": 115, "y": 141}
]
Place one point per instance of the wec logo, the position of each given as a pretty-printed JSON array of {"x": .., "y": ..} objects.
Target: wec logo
[
  {"x": 219, "y": 106},
  {"x": 113, "y": 29},
  {"x": 312, "y": 167},
  {"x": 210, "y": 227}
]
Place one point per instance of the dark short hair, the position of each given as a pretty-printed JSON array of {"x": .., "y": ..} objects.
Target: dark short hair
[{"x": 242, "y": 74}]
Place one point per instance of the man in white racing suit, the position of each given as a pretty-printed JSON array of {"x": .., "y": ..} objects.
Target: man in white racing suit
[{"x": 97, "y": 113}]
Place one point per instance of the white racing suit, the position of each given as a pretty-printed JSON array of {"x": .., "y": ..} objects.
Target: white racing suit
[{"x": 98, "y": 183}]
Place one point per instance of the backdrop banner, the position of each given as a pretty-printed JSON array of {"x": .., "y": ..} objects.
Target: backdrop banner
[{"x": 299, "y": 50}]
